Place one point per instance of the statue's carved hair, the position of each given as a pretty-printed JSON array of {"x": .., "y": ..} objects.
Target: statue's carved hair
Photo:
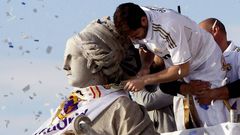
[{"x": 103, "y": 48}]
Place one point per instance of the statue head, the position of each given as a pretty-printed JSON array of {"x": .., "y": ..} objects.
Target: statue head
[{"x": 94, "y": 55}]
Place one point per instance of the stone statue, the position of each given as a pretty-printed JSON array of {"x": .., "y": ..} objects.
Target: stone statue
[{"x": 96, "y": 60}]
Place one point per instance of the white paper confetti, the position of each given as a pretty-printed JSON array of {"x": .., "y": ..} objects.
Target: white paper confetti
[{"x": 25, "y": 36}]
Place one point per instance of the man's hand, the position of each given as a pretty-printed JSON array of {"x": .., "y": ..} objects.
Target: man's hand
[
  {"x": 194, "y": 87},
  {"x": 206, "y": 96},
  {"x": 146, "y": 60},
  {"x": 134, "y": 85}
]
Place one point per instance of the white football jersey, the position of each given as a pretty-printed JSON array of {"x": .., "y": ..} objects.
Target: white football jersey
[
  {"x": 232, "y": 47},
  {"x": 178, "y": 40},
  {"x": 232, "y": 57}
]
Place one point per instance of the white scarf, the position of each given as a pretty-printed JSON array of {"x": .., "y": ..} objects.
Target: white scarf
[{"x": 89, "y": 101}]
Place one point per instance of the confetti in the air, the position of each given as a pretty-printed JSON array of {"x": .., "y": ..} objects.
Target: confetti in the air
[
  {"x": 7, "y": 122},
  {"x": 35, "y": 10},
  {"x": 10, "y": 44},
  {"x": 25, "y": 36},
  {"x": 61, "y": 96},
  {"x": 38, "y": 115},
  {"x": 49, "y": 49},
  {"x": 20, "y": 47},
  {"x": 27, "y": 51},
  {"x": 58, "y": 68},
  {"x": 26, "y": 88},
  {"x": 10, "y": 15},
  {"x": 31, "y": 97},
  {"x": 25, "y": 130}
]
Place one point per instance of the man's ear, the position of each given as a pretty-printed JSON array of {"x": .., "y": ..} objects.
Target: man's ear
[
  {"x": 215, "y": 30},
  {"x": 144, "y": 21}
]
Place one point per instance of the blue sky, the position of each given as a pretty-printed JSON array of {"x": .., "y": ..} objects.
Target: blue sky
[{"x": 31, "y": 80}]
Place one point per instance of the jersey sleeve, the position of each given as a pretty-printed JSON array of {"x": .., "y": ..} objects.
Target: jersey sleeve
[{"x": 178, "y": 45}]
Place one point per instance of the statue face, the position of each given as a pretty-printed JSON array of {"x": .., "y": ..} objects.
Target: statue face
[
  {"x": 75, "y": 66},
  {"x": 76, "y": 69}
]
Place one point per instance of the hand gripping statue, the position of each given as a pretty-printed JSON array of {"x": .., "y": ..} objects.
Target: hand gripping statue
[{"x": 95, "y": 61}]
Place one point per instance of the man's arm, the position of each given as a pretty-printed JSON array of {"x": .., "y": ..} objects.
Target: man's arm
[
  {"x": 231, "y": 90},
  {"x": 202, "y": 91},
  {"x": 152, "y": 98},
  {"x": 192, "y": 88},
  {"x": 170, "y": 74},
  {"x": 147, "y": 58},
  {"x": 171, "y": 88}
]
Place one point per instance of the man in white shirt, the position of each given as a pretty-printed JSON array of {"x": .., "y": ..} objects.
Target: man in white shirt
[
  {"x": 232, "y": 57},
  {"x": 204, "y": 95},
  {"x": 188, "y": 51}
]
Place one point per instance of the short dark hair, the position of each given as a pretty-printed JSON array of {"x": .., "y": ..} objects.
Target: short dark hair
[
  {"x": 128, "y": 14},
  {"x": 211, "y": 21}
]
